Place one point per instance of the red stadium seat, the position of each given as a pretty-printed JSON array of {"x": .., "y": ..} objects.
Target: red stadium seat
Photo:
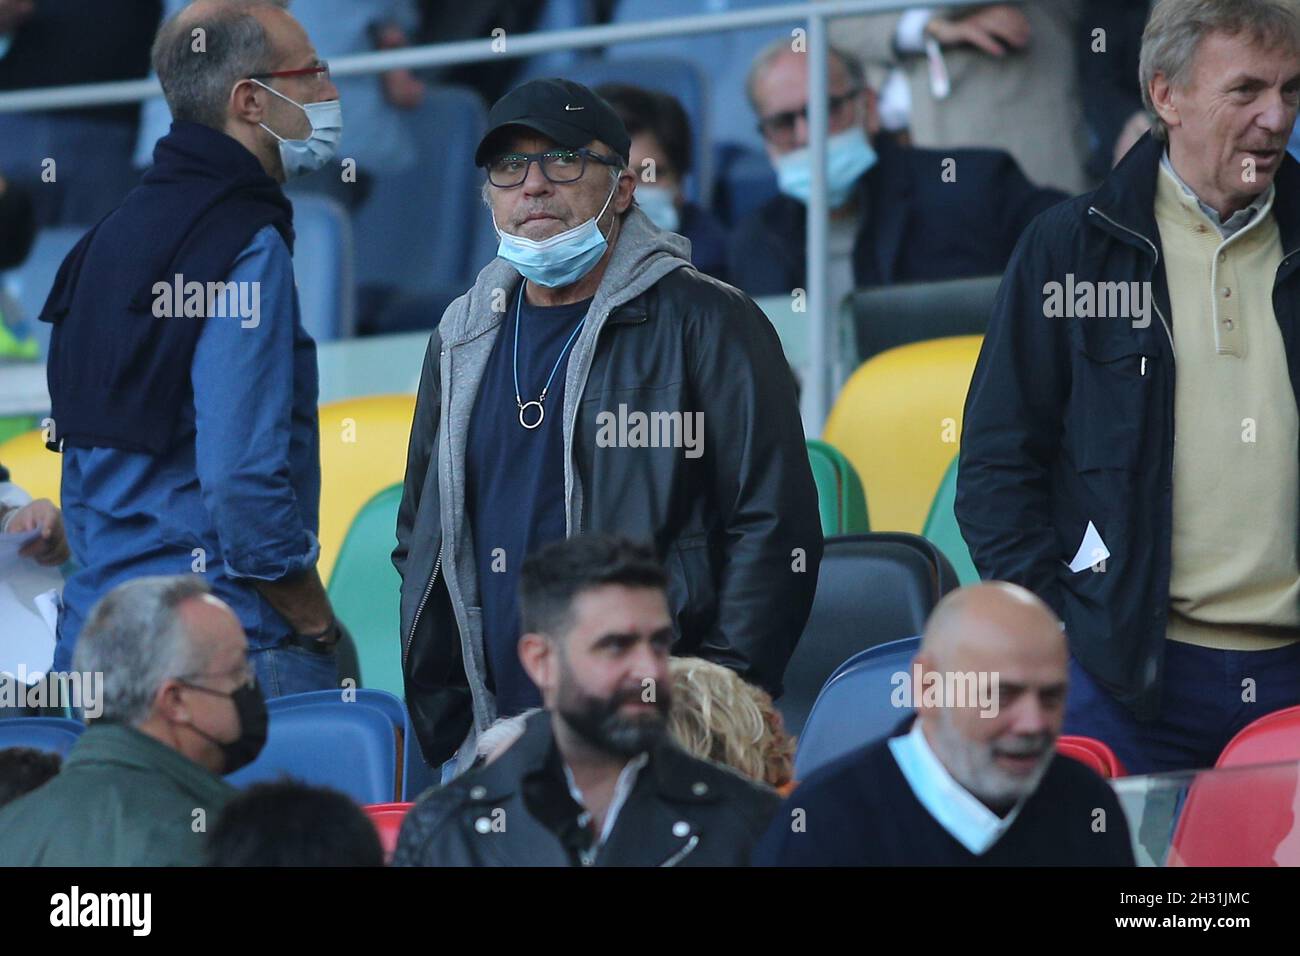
[
  {"x": 1273, "y": 738},
  {"x": 387, "y": 818},
  {"x": 1242, "y": 818},
  {"x": 1092, "y": 753}
]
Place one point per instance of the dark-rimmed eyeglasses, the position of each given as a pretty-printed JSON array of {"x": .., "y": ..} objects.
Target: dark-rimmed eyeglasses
[
  {"x": 321, "y": 72},
  {"x": 780, "y": 126},
  {"x": 558, "y": 165}
]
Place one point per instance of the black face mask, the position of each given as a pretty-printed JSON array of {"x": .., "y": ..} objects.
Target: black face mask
[{"x": 250, "y": 707}]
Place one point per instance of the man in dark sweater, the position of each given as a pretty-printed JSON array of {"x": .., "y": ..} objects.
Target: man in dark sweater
[{"x": 973, "y": 780}]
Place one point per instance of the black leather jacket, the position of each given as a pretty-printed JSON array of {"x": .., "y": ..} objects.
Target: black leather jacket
[
  {"x": 517, "y": 811},
  {"x": 737, "y": 527}
]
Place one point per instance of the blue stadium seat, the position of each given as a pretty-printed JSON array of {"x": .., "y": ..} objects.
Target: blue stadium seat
[
  {"x": 29, "y": 284},
  {"x": 724, "y": 57},
  {"x": 416, "y": 775},
  {"x": 681, "y": 78},
  {"x": 855, "y": 706},
  {"x": 411, "y": 231},
  {"x": 54, "y": 735},
  {"x": 323, "y": 267},
  {"x": 350, "y": 747}
]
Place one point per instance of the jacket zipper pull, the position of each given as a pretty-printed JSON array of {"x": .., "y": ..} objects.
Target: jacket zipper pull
[{"x": 1144, "y": 365}]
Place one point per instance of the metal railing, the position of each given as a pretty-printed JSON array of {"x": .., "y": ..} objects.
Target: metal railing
[{"x": 823, "y": 343}]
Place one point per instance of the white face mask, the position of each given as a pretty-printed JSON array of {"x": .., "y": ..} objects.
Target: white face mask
[
  {"x": 302, "y": 156},
  {"x": 561, "y": 259},
  {"x": 660, "y": 204}
]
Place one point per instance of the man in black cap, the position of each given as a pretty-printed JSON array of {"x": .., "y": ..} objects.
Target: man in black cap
[{"x": 593, "y": 381}]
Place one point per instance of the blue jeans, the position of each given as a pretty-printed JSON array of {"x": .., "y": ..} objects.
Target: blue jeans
[
  {"x": 293, "y": 670},
  {"x": 1201, "y": 706}
]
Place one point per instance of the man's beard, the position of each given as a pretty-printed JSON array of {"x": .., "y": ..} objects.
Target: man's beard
[
  {"x": 597, "y": 720},
  {"x": 973, "y": 765}
]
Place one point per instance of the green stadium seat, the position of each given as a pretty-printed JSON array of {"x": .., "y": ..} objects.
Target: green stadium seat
[
  {"x": 942, "y": 529},
  {"x": 365, "y": 591},
  {"x": 840, "y": 498}
]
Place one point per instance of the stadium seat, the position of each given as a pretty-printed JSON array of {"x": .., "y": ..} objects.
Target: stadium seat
[
  {"x": 362, "y": 451},
  {"x": 31, "y": 465},
  {"x": 941, "y": 527},
  {"x": 323, "y": 267},
  {"x": 55, "y": 735},
  {"x": 351, "y": 747},
  {"x": 898, "y": 420},
  {"x": 364, "y": 589},
  {"x": 1273, "y": 738},
  {"x": 839, "y": 492},
  {"x": 1091, "y": 753},
  {"x": 871, "y": 589},
  {"x": 745, "y": 181},
  {"x": 411, "y": 230},
  {"x": 387, "y": 818},
  {"x": 855, "y": 707},
  {"x": 1239, "y": 816},
  {"x": 30, "y": 283},
  {"x": 885, "y": 317},
  {"x": 416, "y": 776}
]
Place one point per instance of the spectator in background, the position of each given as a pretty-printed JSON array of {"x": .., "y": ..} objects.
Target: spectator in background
[
  {"x": 717, "y": 716},
  {"x": 17, "y": 222},
  {"x": 661, "y": 156},
  {"x": 897, "y": 214},
  {"x": 591, "y": 312},
  {"x": 179, "y": 707},
  {"x": 595, "y": 779},
  {"x": 19, "y": 516},
  {"x": 23, "y": 769},
  {"x": 1108, "y": 79},
  {"x": 289, "y": 823},
  {"x": 376, "y": 136},
  {"x": 190, "y": 443},
  {"x": 64, "y": 43},
  {"x": 448, "y": 21},
  {"x": 1156, "y": 512},
  {"x": 995, "y": 75},
  {"x": 971, "y": 780}
]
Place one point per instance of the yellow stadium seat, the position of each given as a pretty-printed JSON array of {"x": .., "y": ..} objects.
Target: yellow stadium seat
[
  {"x": 32, "y": 466},
  {"x": 898, "y": 421},
  {"x": 362, "y": 452}
]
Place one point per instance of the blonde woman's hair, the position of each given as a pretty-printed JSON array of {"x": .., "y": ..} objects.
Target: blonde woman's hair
[{"x": 716, "y": 715}]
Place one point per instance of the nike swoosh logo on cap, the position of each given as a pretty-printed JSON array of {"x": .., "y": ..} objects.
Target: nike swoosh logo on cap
[{"x": 574, "y": 108}]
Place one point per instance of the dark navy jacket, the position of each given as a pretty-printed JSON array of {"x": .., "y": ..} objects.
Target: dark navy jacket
[
  {"x": 917, "y": 226},
  {"x": 1071, "y": 420}
]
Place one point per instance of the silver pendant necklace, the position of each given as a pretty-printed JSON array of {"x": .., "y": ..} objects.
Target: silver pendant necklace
[{"x": 525, "y": 407}]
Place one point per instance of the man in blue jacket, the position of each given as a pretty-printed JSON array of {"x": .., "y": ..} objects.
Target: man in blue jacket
[
  {"x": 183, "y": 383},
  {"x": 897, "y": 214},
  {"x": 1154, "y": 503}
]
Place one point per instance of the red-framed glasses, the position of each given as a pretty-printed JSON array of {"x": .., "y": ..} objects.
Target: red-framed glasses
[{"x": 322, "y": 72}]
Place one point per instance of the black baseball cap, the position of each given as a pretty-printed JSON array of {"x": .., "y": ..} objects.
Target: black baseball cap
[{"x": 562, "y": 110}]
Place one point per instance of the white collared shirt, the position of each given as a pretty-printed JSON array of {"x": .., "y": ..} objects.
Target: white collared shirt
[
  {"x": 622, "y": 790},
  {"x": 953, "y": 807}
]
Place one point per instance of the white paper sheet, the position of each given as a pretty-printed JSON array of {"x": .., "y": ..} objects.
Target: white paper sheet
[
  {"x": 29, "y": 608},
  {"x": 1092, "y": 551}
]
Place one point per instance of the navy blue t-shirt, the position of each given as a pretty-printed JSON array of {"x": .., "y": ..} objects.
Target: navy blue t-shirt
[{"x": 515, "y": 481}]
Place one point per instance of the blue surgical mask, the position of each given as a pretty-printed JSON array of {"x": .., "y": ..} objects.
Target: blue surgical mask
[
  {"x": 562, "y": 259},
  {"x": 848, "y": 156},
  {"x": 302, "y": 156},
  {"x": 660, "y": 204}
]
